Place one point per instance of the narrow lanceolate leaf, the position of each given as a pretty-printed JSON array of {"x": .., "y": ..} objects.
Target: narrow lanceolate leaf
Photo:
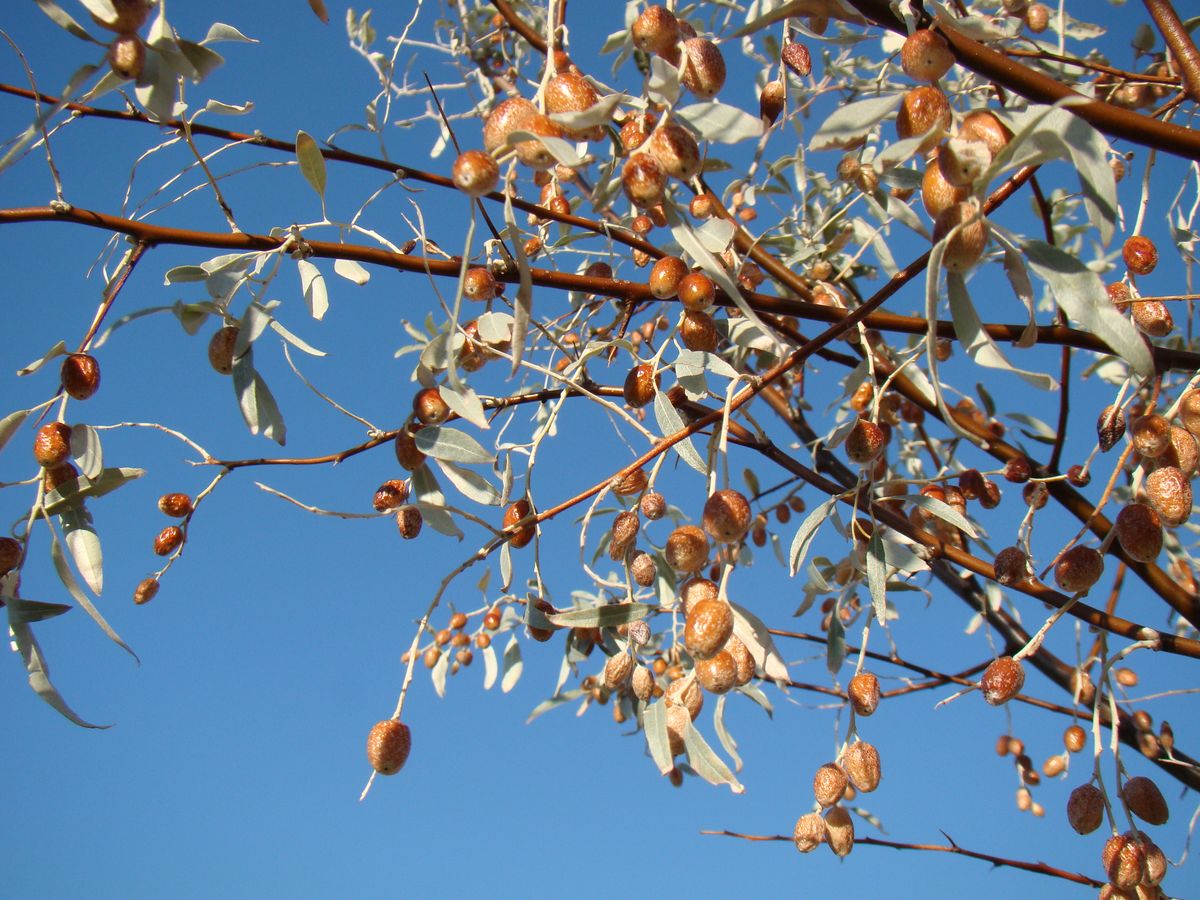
[
  {"x": 258, "y": 406},
  {"x": 707, "y": 764},
  {"x": 470, "y": 484},
  {"x": 71, "y": 493},
  {"x": 84, "y": 544},
  {"x": 805, "y": 534},
  {"x": 721, "y": 122},
  {"x": 752, "y": 632},
  {"x": 877, "y": 575},
  {"x": 671, "y": 423},
  {"x": 512, "y": 665},
  {"x": 39, "y": 671},
  {"x": 601, "y": 616},
  {"x": 11, "y": 424},
  {"x": 490, "y": 668},
  {"x": 59, "y": 349},
  {"x": 438, "y": 674},
  {"x": 312, "y": 163},
  {"x": 465, "y": 402},
  {"x": 723, "y": 735},
  {"x": 27, "y": 611},
  {"x": 312, "y": 282},
  {"x": 655, "y": 723},
  {"x": 943, "y": 511},
  {"x": 835, "y": 644},
  {"x": 452, "y": 445},
  {"x": 68, "y": 579},
  {"x": 63, "y": 20},
  {"x": 1081, "y": 294},
  {"x": 849, "y": 123},
  {"x": 977, "y": 342},
  {"x": 85, "y": 448},
  {"x": 553, "y": 703}
]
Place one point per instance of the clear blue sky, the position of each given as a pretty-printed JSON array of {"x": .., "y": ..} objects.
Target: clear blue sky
[{"x": 235, "y": 760}]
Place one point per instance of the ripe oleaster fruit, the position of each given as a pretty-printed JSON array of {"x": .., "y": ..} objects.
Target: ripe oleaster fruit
[
  {"x": 388, "y": 745},
  {"x": 1002, "y": 680},
  {"x": 726, "y": 516},
  {"x": 80, "y": 375},
  {"x": 707, "y": 627}
]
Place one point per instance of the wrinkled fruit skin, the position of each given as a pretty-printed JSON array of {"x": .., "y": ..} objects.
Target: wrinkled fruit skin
[
  {"x": 1085, "y": 808},
  {"x": 52, "y": 444},
  {"x": 175, "y": 505},
  {"x": 1078, "y": 569},
  {"x": 220, "y": 350},
  {"x": 168, "y": 540},
  {"x": 514, "y": 514},
  {"x": 1002, "y": 680},
  {"x": 707, "y": 627},
  {"x": 388, "y": 745},
  {"x": 1146, "y": 800},
  {"x": 1139, "y": 531},
  {"x": 80, "y": 375},
  {"x": 809, "y": 832},
  {"x": 864, "y": 693},
  {"x": 861, "y": 762},
  {"x": 475, "y": 173},
  {"x": 687, "y": 549},
  {"x": 726, "y": 516}
]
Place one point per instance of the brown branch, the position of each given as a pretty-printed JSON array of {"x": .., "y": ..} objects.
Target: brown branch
[
  {"x": 519, "y": 25},
  {"x": 131, "y": 262},
  {"x": 1180, "y": 42},
  {"x": 1039, "y": 868},
  {"x": 1033, "y": 85},
  {"x": 1123, "y": 74}
]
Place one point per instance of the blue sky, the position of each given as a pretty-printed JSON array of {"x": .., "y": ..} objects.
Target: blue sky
[{"x": 235, "y": 760}]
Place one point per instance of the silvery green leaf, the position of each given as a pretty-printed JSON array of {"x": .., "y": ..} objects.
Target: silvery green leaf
[
  {"x": 982, "y": 27},
  {"x": 1035, "y": 428},
  {"x": 977, "y": 342},
  {"x": 877, "y": 575},
  {"x": 943, "y": 511},
  {"x": 465, "y": 402},
  {"x": 556, "y": 147},
  {"x": 755, "y": 693},
  {"x": 59, "y": 349},
  {"x": 523, "y": 302},
  {"x": 39, "y": 671},
  {"x": 11, "y": 424},
  {"x": 63, "y": 20},
  {"x": 723, "y": 735},
  {"x": 707, "y": 764},
  {"x": 599, "y": 113},
  {"x": 654, "y": 720},
  {"x": 670, "y": 422},
  {"x": 721, "y": 122},
  {"x": 219, "y": 31},
  {"x": 202, "y": 60},
  {"x": 443, "y": 442},
  {"x": 554, "y": 702},
  {"x": 258, "y": 406},
  {"x": 303, "y": 346},
  {"x": 312, "y": 163},
  {"x": 850, "y": 123},
  {"x": 438, "y": 674},
  {"x": 835, "y": 644},
  {"x": 352, "y": 271},
  {"x": 490, "y": 669},
  {"x": 471, "y": 484},
  {"x": 505, "y": 566},
  {"x": 607, "y": 616},
  {"x": 155, "y": 90},
  {"x": 71, "y": 493},
  {"x": 716, "y": 234},
  {"x": 1082, "y": 296},
  {"x": 903, "y": 557},
  {"x": 25, "y": 611},
  {"x": 663, "y": 85},
  {"x": 68, "y": 579},
  {"x": 84, "y": 544},
  {"x": 512, "y": 665},
  {"x": 806, "y": 532},
  {"x": 228, "y": 109},
  {"x": 437, "y": 518},
  {"x": 752, "y": 632},
  {"x": 85, "y": 448},
  {"x": 312, "y": 282}
]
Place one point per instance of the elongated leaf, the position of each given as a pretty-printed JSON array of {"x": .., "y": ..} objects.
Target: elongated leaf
[
  {"x": 943, "y": 511},
  {"x": 607, "y": 616},
  {"x": 312, "y": 282},
  {"x": 68, "y": 579},
  {"x": 471, "y": 484},
  {"x": 835, "y": 644},
  {"x": 258, "y": 406},
  {"x": 554, "y": 703},
  {"x": 707, "y": 764},
  {"x": 512, "y": 665},
  {"x": 352, "y": 271},
  {"x": 655, "y": 722},
  {"x": 671, "y": 423},
  {"x": 27, "y": 611},
  {"x": 723, "y": 735},
  {"x": 63, "y": 20},
  {"x": 219, "y": 31},
  {"x": 752, "y": 632},
  {"x": 312, "y": 163},
  {"x": 490, "y": 669},
  {"x": 452, "y": 445},
  {"x": 877, "y": 575},
  {"x": 59, "y": 349},
  {"x": 977, "y": 342},
  {"x": 85, "y": 448},
  {"x": 465, "y": 402},
  {"x": 84, "y": 544},
  {"x": 806, "y": 532},
  {"x": 438, "y": 674},
  {"x": 720, "y": 122},
  {"x": 557, "y": 147},
  {"x": 39, "y": 672},
  {"x": 11, "y": 424},
  {"x": 599, "y": 113},
  {"x": 71, "y": 493},
  {"x": 849, "y": 123},
  {"x": 1082, "y": 296}
]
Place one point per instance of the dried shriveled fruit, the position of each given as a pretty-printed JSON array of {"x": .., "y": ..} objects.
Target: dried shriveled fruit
[
  {"x": 982, "y": 125},
  {"x": 1085, "y": 808},
  {"x": 1145, "y": 800},
  {"x": 643, "y": 568},
  {"x": 617, "y": 671},
  {"x": 966, "y": 245},
  {"x": 1153, "y": 318},
  {"x": 704, "y": 74},
  {"x": 1182, "y": 452},
  {"x": 407, "y": 453},
  {"x": 1011, "y": 565},
  {"x": 673, "y": 147},
  {"x": 475, "y": 173},
  {"x": 146, "y": 591},
  {"x": 653, "y": 505},
  {"x": 925, "y": 55},
  {"x": 743, "y": 659},
  {"x": 809, "y": 832},
  {"x": 685, "y": 693},
  {"x": 569, "y": 92},
  {"x": 10, "y": 554},
  {"x": 1078, "y": 569},
  {"x": 175, "y": 505},
  {"x": 1189, "y": 411},
  {"x": 388, "y": 745},
  {"x": 839, "y": 831},
  {"x": 80, "y": 375},
  {"x": 864, "y": 693},
  {"x": 726, "y": 516},
  {"x": 1171, "y": 494},
  {"x": 1110, "y": 427},
  {"x": 861, "y": 762},
  {"x": 678, "y": 723},
  {"x": 1074, "y": 738},
  {"x": 829, "y": 784},
  {"x": 865, "y": 442},
  {"x": 52, "y": 444},
  {"x": 797, "y": 58},
  {"x": 687, "y": 549},
  {"x": 655, "y": 30},
  {"x": 643, "y": 683},
  {"x": 623, "y": 533},
  {"x": 517, "y": 511},
  {"x": 1124, "y": 861},
  {"x": 1150, "y": 435},
  {"x": 937, "y": 193},
  {"x": 128, "y": 16},
  {"x": 390, "y": 495},
  {"x": 220, "y": 349},
  {"x": 1139, "y": 531},
  {"x": 633, "y": 482},
  {"x": 1002, "y": 680},
  {"x": 696, "y": 589},
  {"x": 58, "y": 475},
  {"x": 924, "y": 110},
  {"x": 707, "y": 627}
]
